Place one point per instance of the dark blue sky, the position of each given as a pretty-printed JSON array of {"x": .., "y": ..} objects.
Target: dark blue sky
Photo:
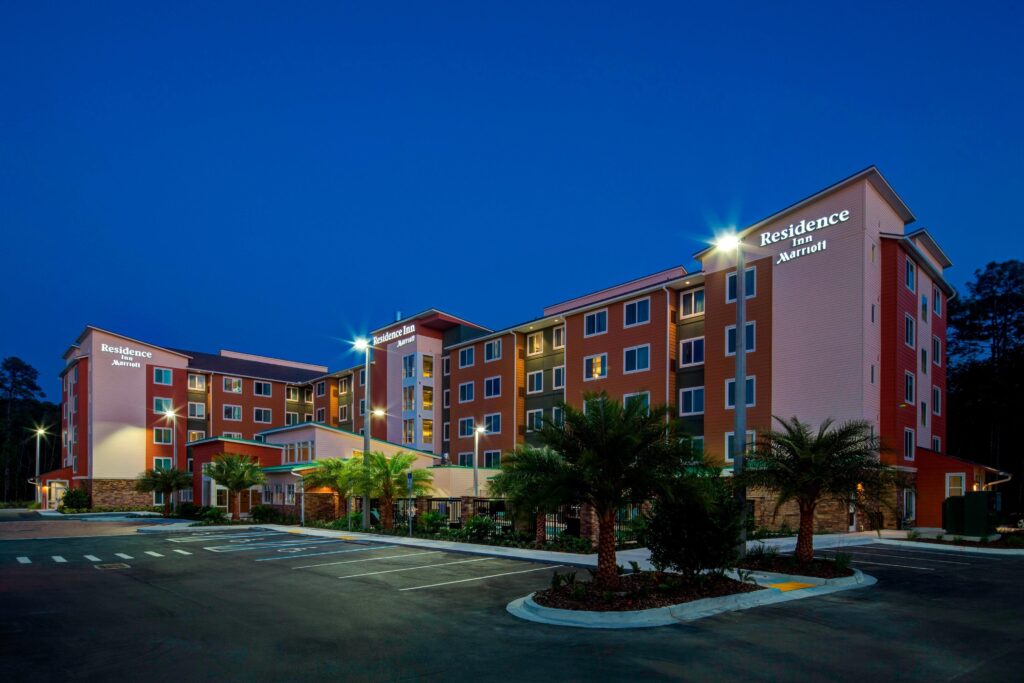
[{"x": 276, "y": 177}]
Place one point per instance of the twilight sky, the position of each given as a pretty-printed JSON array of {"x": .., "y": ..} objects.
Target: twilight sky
[{"x": 277, "y": 177}]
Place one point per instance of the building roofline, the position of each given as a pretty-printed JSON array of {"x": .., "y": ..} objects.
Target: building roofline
[
  {"x": 93, "y": 328},
  {"x": 933, "y": 246},
  {"x": 871, "y": 174},
  {"x": 320, "y": 425},
  {"x": 426, "y": 313},
  {"x": 668, "y": 274},
  {"x": 231, "y": 439},
  {"x": 923, "y": 261}
]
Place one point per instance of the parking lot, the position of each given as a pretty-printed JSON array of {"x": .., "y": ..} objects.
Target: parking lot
[{"x": 266, "y": 605}]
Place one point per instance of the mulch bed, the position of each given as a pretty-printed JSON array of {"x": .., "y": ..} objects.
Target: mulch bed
[
  {"x": 787, "y": 564},
  {"x": 645, "y": 590},
  {"x": 1012, "y": 541}
]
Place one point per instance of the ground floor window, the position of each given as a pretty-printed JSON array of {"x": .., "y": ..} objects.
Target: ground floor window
[
  {"x": 909, "y": 504},
  {"x": 955, "y": 484},
  {"x": 268, "y": 494},
  {"x": 158, "y": 497},
  {"x": 185, "y": 496},
  {"x": 492, "y": 459},
  {"x": 289, "y": 497},
  {"x": 465, "y": 459}
]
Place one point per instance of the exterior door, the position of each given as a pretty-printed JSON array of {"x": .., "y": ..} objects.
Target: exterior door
[{"x": 56, "y": 494}]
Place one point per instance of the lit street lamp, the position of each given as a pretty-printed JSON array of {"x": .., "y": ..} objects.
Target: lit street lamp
[
  {"x": 480, "y": 429},
  {"x": 364, "y": 345},
  {"x": 727, "y": 243},
  {"x": 40, "y": 433}
]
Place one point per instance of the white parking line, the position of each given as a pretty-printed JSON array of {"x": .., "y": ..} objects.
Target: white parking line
[
  {"x": 367, "y": 559},
  {"x": 883, "y": 564},
  {"x": 264, "y": 546},
  {"x": 150, "y": 552},
  {"x": 92, "y": 558},
  {"x": 219, "y": 537},
  {"x": 872, "y": 553},
  {"x": 58, "y": 558},
  {"x": 422, "y": 566},
  {"x": 481, "y": 578},
  {"x": 327, "y": 552},
  {"x": 24, "y": 560},
  {"x": 124, "y": 557},
  {"x": 182, "y": 552}
]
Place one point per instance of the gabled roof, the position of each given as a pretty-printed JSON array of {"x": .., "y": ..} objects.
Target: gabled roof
[
  {"x": 321, "y": 425},
  {"x": 436, "y": 319},
  {"x": 227, "y": 365},
  {"x": 232, "y": 439},
  {"x": 931, "y": 245}
]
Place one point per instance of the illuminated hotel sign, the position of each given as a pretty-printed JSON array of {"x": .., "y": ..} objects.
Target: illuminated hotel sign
[
  {"x": 404, "y": 334},
  {"x": 801, "y": 238},
  {"x": 127, "y": 356}
]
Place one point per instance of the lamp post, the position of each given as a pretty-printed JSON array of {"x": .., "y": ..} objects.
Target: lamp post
[
  {"x": 728, "y": 243},
  {"x": 365, "y": 346},
  {"x": 40, "y": 433},
  {"x": 174, "y": 438},
  {"x": 480, "y": 429}
]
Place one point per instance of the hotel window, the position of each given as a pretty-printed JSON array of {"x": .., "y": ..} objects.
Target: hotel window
[
  {"x": 936, "y": 301},
  {"x": 321, "y": 415},
  {"x": 924, "y": 412},
  {"x": 641, "y": 397},
  {"x": 636, "y": 359},
  {"x": 162, "y": 464},
  {"x": 492, "y": 423},
  {"x": 910, "y": 274},
  {"x": 749, "y": 284},
  {"x": 936, "y": 401},
  {"x": 362, "y": 377},
  {"x": 467, "y": 357},
  {"x": 955, "y": 484},
  {"x": 309, "y": 395},
  {"x": 196, "y": 410},
  {"x": 730, "y": 447},
  {"x": 466, "y": 392},
  {"x": 446, "y": 395},
  {"x": 408, "y": 431},
  {"x": 293, "y": 418},
  {"x": 908, "y": 444},
  {"x": 321, "y": 388},
  {"x": 872, "y": 373},
  {"x": 492, "y": 387},
  {"x": 428, "y": 366},
  {"x": 909, "y": 504},
  {"x": 534, "y": 420},
  {"x": 691, "y": 401},
  {"x": 558, "y": 377},
  {"x": 465, "y": 459},
  {"x": 196, "y": 435},
  {"x": 730, "y": 392},
  {"x": 924, "y": 360},
  {"x": 232, "y": 385},
  {"x": 232, "y": 413},
  {"x": 291, "y": 394},
  {"x": 936, "y": 444},
  {"x": 262, "y": 388},
  {"x": 428, "y": 398},
  {"x": 446, "y": 431},
  {"x": 908, "y": 331},
  {"x": 307, "y": 417},
  {"x": 492, "y": 459},
  {"x": 162, "y": 436},
  {"x": 446, "y": 366},
  {"x": 262, "y": 415},
  {"x": 289, "y": 495},
  {"x": 924, "y": 308},
  {"x": 74, "y": 375},
  {"x": 278, "y": 494},
  {"x": 345, "y": 385},
  {"x": 162, "y": 406},
  {"x": 428, "y": 430},
  {"x": 557, "y": 416},
  {"x": 595, "y": 323},
  {"x": 408, "y": 398},
  {"x": 558, "y": 337},
  {"x": 492, "y": 350},
  {"x": 691, "y": 352},
  {"x": 409, "y": 365},
  {"x": 936, "y": 351},
  {"x": 161, "y": 376},
  {"x": 197, "y": 382},
  {"x": 595, "y": 367},
  {"x": 342, "y": 413},
  {"x": 872, "y": 312},
  {"x": 268, "y": 494},
  {"x": 730, "y": 339},
  {"x": 466, "y": 426},
  {"x": 691, "y": 303},
  {"x": 908, "y": 388},
  {"x": 535, "y": 344},
  {"x": 535, "y": 382},
  {"x": 697, "y": 445},
  {"x": 637, "y": 312}
]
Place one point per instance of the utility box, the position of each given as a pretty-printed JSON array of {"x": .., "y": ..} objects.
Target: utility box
[
  {"x": 979, "y": 513},
  {"x": 953, "y": 515}
]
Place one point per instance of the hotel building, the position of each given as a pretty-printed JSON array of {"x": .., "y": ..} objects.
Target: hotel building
[{"x": 846, "y": 319}]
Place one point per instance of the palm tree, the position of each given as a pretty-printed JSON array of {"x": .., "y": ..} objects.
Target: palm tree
[
  {"x": 606, "y": 455},
  {"x": 839, "y": 462},
  {"x": 385, "y": 479},
  {"x": 166, "y": 482},
  {"x": 338, "y": 475},
  {"x": 236, "y": 473},
  {"x": 518, "y": 481}
]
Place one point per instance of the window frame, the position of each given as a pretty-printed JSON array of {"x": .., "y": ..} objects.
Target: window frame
[
  {"x": 270, "y": 414},
  {"x": 633, "y": 394},
  {"x": 470, "y": 353},
  {"x": 487, "y": 380},
  {"x": 751, "y": 440},
  {"x": 224, "y": 415},
  {"x": 492, "y": 344},
  {"x": 636, "y": 302},
  {"x": 230, "y": 380},
  {"x": 753, "y": 393},
  {"x": 529, "y": 382},
  {"x": 491, "y": 416},
  {"x": 910, "y": 274},
  {"x": 257, "y": 383},
  {"x": 604, "y": 367},
  {"x": 531, "y": 415},
  {"x": 936, "y": 400},
  {"x": 558, "y": 332},
  {"x": 555, "y": 371},
  {"x": 472, "y": 391},
  {"x": 692, "y": 294},
  {"x": 469, "y": 432},
  {"x": 751, "y": 324},
  {"x": 691, "y": 341},
  {"x": 746, "y": 294},
  {"x": 202, "y": 382},
  {"x": 909, "y": 331},
  {"x": 703, "y": 401},
  {"x": 170, "y": 405},
  {"x": 594, "y": 314},
  {"x": 530, "y": 339},
  {"x": 625, "y": 355},
  {"x": 201, "y": 414},
  {"x": 489, "y": 459},
  {"x": 909, "y": 440},
  {"x": 909, "y": 388},
  {"x": 963, "y": 483},
  {"x": 156, "y": 371},
  {"x": 162, "y": 430}
]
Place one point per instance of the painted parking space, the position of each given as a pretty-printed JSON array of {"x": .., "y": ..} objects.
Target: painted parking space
[{"x": 876, "y": 556}]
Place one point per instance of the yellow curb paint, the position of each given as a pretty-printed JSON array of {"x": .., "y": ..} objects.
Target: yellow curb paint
[{"x": 791, "y": 586}]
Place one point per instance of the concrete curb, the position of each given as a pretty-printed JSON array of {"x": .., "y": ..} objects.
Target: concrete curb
[
  {"x": 180, "y": 527},
  {"x": 526, "y": 608},
  {"x": 1012, "y": 552}
]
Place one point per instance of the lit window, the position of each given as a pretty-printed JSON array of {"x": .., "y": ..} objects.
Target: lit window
[
  {"x": 595, "y": 323},
  {"x": 595, "y": 367},
  {"x": 428, "y": 430},
  {"x": 162, "y": 406},
  {"x": 197, "y": 382},
  {"x": 428, "y": 398},
  {"x": 691, "y": 401},
  {"x": 428, "y": 366},
  {"x": 196, "y": 435},
  {"x": 637, "y": 312},
  {"x": 955, "y": 485},
  {"x": 691, "y": 303},
  {"x": 232, "y": 385},
  {"x": 535, "y": 344},
  {"x": 637, "y": 359}
]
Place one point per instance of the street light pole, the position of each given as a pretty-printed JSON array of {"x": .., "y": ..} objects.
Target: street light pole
[
  {"x": 740, "y": 417},
  {"x": 480, "y": 429},
  {"x": 365, "y": 346},
  {"x": 39, "y": 434}
]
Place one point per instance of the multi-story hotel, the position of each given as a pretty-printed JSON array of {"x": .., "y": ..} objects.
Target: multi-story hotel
[{"x": 846, "y": 319}]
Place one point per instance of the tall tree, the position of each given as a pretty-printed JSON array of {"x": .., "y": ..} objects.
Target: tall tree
[
  {"x": 20, "y": 391},
  {"x": 384, "y": 478},
  {"x": 338, "y": 475},
  {"x": 236, "y": 473}
]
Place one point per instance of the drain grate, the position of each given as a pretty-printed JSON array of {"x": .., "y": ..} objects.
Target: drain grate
[{"x": 111, "y": 565}]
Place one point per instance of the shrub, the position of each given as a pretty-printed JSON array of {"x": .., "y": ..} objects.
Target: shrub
[
  {"x": 213, "y": 516},
  {"x": 430, "y": 522},
  {"x": 478, "y": 528},
  {"x": 187, "y": 511},
  {"x": 694, "y": 528},
  {"x": 75, "y": 499},
  {"x": 264, "y": 514},
  {"x": 569, "y": 544},
  {"x": 843, "y": 560},
  {"x": 34, "y": 505}
]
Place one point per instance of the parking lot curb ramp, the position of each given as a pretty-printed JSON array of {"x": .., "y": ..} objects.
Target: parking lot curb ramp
[{"x": 526, "y": 608}]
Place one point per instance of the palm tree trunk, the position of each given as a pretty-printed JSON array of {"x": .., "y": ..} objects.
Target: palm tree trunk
[
  {"x": 238, "y": 506},
  {"x": 541, "y": 528},
  {"x": 167, "y": 504},
  {"x": 337, "y": 505},
  {"x": 387, "y": 519},
  {"x": 805, "y": 537},
  {"x": 607, "y": 571}
]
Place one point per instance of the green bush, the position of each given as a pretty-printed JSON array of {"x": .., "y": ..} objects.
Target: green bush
[
  {"x": 213, "y": 516},
  {"x": 694, "y": 528},
  {"x": 430, "y": 522},
  {"x": 478, "y": 528},
  {"x": 187, "y": 511},
  {"x": 34, "y": 505},
  {"x": 569, "y": 544},
  {"x": 264, "y": 514},
  {"x": 75, "y": 499}
]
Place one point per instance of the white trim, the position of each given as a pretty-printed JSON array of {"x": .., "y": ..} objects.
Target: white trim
[
  {"x": 163, "y": 384},
  {"x": 912, "y": 272},
  {"x": 492, "y": 415},
  {"x": 693, "y": 340},
  {"x": 913, "y": 387},
  {"x": 703, "y": 399},
  {"x": 554, "y": 375},
  {"x": 446, "y": 398},
  {"x": 630, "y": 395},
  {"x": 752, "y": 395},
  {"x": 471, "y": 350},
  {"x": 296, "y": 421},
  {"x": 224, "y": 384},
  {"x": 627, "y": 304},
  {"x": 535, "y": 335},
  {"x": 492, "y": 452},
  {"x": 963, "y": 482},
  {"x": 529, "y": 382},
  {"x": 595, "y": 313},
  {"x": 321, "y": 415},
  {"x": 912, "y": 329},
  {"x": 554, "y": 336},
  {"x": 224, "y": 416},
  {"x": 936, "y": 351},
  {"x": 199, "y": 376},
  {"x": 529, "y": 421},
  {"x": 320, "y": 388},
  {"x": 170, "y": 405},
  {"x": 200, "y": 432},
  {"x": 288, "y": 393},
  {"x": 751, "y": 440},
  {"x": 746, "y": 294},
  {"x": 912, "y": 443},
  {"x": 936, "y": 443},
  {"x": 750, "y": 349},
  {"x": 201, "y": 414},
  {"x": 604, "y": 367},
  {"x": 692, "y": 292},
  {"x": 163, "y": 429},
  {"x": 255, "y": 385},
  {"x": 638, "y": 369},
  {"x": 472, "y": 425},
  {"x": 270, "y": 412},
  {"x": 472, "y": 386},
  {"x": 936, "y": 404}
]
